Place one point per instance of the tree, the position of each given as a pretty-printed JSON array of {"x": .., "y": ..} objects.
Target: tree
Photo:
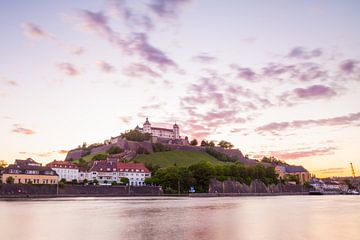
[
  {"x": 124, "y": 180},
  {"x": 100, "y": 156},
  {"x": 74, "y": 181},
  {"x": 3, "y": 164},
  {"x": 136, "y": 135},
  {"x": 10, "y": 180},
  {"x": 194, "y": 142},
  {"x": 205, "y": 143},
  {"x": 63, "y": 180},
  {"x": 95, "y": 182},
  {"x": 85, "y": 181},
  {"x": 225, "y": 144}
]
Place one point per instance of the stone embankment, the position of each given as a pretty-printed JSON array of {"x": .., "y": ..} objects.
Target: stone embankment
[
  {"x": 256, "y": 187},
  {"x": 23, "y": 190}
]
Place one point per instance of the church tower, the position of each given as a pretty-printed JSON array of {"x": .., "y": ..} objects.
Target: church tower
[
  {"x": 147, "y": 126},
  {"x": 176, "y": 131}
]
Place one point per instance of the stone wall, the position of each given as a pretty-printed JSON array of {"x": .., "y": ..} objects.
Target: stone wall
[
  {"x": 256, "y": 186},
  {"x": 23, "y": 190}
]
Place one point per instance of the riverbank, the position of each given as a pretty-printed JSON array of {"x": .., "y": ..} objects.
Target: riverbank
[{"x": 51, "y": 191}]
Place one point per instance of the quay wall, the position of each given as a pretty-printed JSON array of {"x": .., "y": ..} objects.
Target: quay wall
[{"x": 23, "y": 190}]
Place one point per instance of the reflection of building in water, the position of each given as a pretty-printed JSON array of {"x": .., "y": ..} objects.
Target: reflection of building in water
[{"x": 167, "y": 133}]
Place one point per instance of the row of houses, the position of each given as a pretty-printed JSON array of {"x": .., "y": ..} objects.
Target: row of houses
[{"x": 103, "y": 171}]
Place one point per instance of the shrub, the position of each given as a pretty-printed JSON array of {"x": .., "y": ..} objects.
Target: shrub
[
  {"x": 113, "y": 183},
  {"x": 115, "y": 150},
  {"x": 124, "y": 180},
  {"x": 158, "y": 147},
  {"x": 74, "y": 181},
  {"x": 10, "y": 180},
  {"x": 100, "y": 156},
  {"x": 142, "y": 150}
]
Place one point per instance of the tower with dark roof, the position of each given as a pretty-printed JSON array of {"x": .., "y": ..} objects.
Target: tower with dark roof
[
  {"x": 176, "y": 131},
  {"x": 147, "y": 126}
]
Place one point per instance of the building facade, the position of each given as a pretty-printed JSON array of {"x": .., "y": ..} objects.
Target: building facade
[
  {"x": 135, "y": 172},
  {"x": 166, "y": 133},
  {"x": 108, "y": 171},
  {"x": 65, "y": 170},
  {"x": 298, "y": 171},
  {"x": 28, "y": 171}
]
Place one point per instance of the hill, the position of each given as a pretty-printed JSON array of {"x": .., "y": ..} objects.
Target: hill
[{"x": 179, "y": 157}]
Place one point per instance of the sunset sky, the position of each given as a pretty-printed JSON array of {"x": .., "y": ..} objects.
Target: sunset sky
[{"x": 277, "y": 78}]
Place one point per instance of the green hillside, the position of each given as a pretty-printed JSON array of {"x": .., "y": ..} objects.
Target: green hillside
[{"x": 178, "y": 157}]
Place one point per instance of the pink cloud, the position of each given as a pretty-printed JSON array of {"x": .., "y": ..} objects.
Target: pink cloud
[
  {"x": 140, "y": 44},
  {"x": 302, "y": 53},
  {"x": 315, "y": 91},
  {"x": 292, "y": 155},
  {"x": 105, "y": 67},
  {"x": 125, "y": 119},
  {"x": 167, "y": 8},
  {"x": 138, "y": 70},
  {"x": 121, "y": 11},
  {"x": 21, "y": 130},
  {"x": 348, "y": 66},
  {"x": 95, "y": 22},
  {"x": 34, "y": 31},
  {"x": 244, "y": 73},
  {"x": 347, "y": 120},
  {"x": 204, "y": 58},
  {"x": 68, "y": 69}
]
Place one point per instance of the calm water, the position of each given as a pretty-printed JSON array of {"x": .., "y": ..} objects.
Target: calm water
[{"x": 283, "y": 217}]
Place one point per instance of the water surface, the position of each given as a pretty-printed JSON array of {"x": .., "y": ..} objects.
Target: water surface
[{"x": 270, "y": 218}]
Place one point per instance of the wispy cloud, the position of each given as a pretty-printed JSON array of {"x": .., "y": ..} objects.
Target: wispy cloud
[
  {"x": 204, "y": 58},
  {"x": 34, "y": 31},
  {"x": 168, "y": 8},
  {"x": 315, "y": 91},
  {"x": 125, "y": 119},
  {"x": 275, "y": 127},
  {"x": 303, "y": 53},
  {"x": 139, "y": 70},
  {"x": 297, "y": 154},
  {"x": 18, "y": 128},
  {"x": 105, "y": 67},
  {"x": 68, "y": 69}
]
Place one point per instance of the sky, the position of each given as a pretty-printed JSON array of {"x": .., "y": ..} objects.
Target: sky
[{"x": 276, "y": 78}]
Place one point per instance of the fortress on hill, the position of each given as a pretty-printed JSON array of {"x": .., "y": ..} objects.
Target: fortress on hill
[{"x": 166, "y": 133}]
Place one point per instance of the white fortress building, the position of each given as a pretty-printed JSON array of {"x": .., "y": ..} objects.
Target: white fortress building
[{"x": 167, "y": 133}]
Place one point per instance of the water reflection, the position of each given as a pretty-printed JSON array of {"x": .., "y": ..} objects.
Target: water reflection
[{"x": 280, "y": 218}]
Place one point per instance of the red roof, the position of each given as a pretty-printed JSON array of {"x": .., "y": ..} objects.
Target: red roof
[
  {"x": 132, "y": 167},
  {"x": 112, "y": 166},
  {"x": 103, "y": 166},
  {"x": 61, "y": 164}
]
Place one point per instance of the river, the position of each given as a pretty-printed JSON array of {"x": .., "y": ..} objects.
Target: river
[{"x": 243, "y": 218}]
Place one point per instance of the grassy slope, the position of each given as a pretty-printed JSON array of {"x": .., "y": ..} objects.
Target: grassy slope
[
  {"x": 178, "y": 157},
  {"x": 87, "y": 158}
]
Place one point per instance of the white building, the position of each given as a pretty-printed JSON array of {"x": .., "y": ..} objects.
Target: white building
[
  {"x": 108, "y": 171},
  {"x": 135, "y": 172},
  {"x": 168, "y": 133},
  {"x": 65, "y": 170}
]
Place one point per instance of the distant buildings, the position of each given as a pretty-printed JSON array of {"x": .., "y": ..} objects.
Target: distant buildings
[
  {"x": 65, "y": 170},
  {"x": 299, "y": 172},
  {"x": 28, "y": 171}
]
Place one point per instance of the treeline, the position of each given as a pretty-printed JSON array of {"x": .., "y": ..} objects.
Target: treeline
[{"x": 180, "y": 179}]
